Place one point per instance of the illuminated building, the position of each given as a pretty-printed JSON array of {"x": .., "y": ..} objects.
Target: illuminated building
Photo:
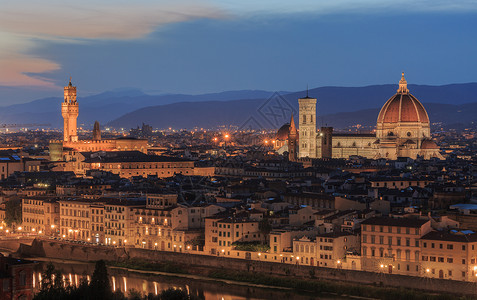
[
  {"x": 402, "y": 130},
  {"x": 70, "y": 112}
]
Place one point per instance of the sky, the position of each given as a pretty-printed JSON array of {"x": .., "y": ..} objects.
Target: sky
[{"x": 203, "y": 46}]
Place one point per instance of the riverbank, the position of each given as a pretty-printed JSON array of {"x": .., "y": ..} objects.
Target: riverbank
[
  {"x": 297, "y": 277},
  {"x": 311, "y": 285}
]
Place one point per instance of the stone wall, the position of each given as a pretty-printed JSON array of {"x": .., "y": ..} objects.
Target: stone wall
[{"x": 57, "y": 250}]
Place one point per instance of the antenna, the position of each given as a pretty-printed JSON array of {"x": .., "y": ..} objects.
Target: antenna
[{"x": 307, "y": 90}]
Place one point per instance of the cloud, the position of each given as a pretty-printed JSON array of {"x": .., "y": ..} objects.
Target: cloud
[
  {"x": 317, "y": 7},
  {"x": 24, "y": 23}
]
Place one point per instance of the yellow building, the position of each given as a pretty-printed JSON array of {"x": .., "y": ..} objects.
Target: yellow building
[
  {"x": 392, "y": 245},
  {"x": 75, "y": 219},
  {"x": 40, "y": 215},
  {"x": 13, "y": 163},
  {"x": 222, "y": 232},
  {"x": 325, "y": 250},
  {"x": 134, "y": 163},
  {"x": 97, "y": 222},
  {"x": 119, "y": 229},
  {"x": 449, "y": 255}
]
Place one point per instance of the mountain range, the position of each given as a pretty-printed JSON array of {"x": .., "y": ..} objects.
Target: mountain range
[{"x": 336, "y": 106}]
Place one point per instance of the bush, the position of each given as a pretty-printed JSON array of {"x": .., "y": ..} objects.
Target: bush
[{"x": 251, "y": 246}]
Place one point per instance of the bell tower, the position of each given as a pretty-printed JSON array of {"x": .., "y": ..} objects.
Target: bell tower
[
  {"x": 69, "y": 111},
  {"x": 292, "y": 140},
  {"x": 307, "y": 127}
]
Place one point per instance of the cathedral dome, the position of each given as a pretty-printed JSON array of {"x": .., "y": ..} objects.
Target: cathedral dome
[
  {"x": 403, "y": 107},
  {"x": 429, "y": 144},
  {"x": 282, "y": 133}
]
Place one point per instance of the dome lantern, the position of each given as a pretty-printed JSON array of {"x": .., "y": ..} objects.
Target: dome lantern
[{"x": 403, "y": 85}]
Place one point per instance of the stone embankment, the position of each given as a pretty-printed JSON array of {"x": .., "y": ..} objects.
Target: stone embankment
[{"x": 87, "y": 253}]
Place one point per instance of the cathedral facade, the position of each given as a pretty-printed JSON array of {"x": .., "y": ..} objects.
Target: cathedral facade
[
  {"x": 402, "y": 130},
  {"x": 70, "y": 112}
]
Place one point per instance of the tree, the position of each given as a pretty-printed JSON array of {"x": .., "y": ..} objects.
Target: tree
[
  {"x": 100, "y": 285},
  {"x": 265, "y": 228},
  {"x": 51, "y": 285},
  {"x": 13, "y": 212},
  {"x": 173, "y": 294}
]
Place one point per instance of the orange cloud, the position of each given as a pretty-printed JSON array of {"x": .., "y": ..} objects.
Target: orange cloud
[
  {"x": 23, "y": 23},
  {"x": 15, "y": 70}
]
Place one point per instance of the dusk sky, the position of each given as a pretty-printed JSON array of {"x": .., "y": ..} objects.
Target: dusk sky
[{"x": 211, "y": 46}]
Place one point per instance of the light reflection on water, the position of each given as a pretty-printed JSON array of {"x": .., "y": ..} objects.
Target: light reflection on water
[{"x": 125, "y": 281}]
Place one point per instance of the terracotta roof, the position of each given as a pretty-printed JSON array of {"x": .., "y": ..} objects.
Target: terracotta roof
[
  {"x": 403, "y": 108},
  {"x": 451, "y": 236},
  {"x": 429, "y": 144},
  {"x": 282, "y": 133},
  {"x": 397, "y": 222}
]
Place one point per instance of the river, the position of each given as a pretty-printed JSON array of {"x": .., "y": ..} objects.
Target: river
[{"x": 144, "y": 283}]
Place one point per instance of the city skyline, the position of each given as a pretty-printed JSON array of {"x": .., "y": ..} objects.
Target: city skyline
[{"x": 213, "y": 46}]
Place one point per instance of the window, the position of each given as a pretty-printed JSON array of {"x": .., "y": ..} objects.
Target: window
[
  {"x": 432, "y": 258},
  {"x": 22, "y": 278},
  {"x": 364, "y": 238},
  {"x": 463, "y": 247},
  {"x": 440, "y": 259},
  {"x": 450, "y": 260},
  {"x": 450, "y": 246},
  {"x": 463, "y": 261}
]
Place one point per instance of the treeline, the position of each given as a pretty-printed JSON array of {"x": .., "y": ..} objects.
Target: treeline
[{"x": 54, "y": 287}]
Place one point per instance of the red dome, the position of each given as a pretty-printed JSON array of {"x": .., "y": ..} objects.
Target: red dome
[
  {"x": 403, "y": 108},
  {"x": 282, "y": 133},
  {"x": 428, "y": 144}
]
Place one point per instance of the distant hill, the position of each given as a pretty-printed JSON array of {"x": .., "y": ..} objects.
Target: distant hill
[
  {"x": 107, "y": 106},
  {"x": 445, "y": 113},
  {"x": 336, "y": 107}
]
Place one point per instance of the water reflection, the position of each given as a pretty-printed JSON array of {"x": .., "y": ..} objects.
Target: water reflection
[{"x": 125, "y": 281}]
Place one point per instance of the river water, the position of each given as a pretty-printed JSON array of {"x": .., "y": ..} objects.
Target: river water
[{"x": 125, "y": 280}]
